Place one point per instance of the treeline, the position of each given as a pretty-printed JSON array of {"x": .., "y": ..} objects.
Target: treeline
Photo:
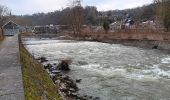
[
  {"x": 57, "y": 17},
  {"x": 91, "y": 16},
  {"x": 144, "y": 13}
]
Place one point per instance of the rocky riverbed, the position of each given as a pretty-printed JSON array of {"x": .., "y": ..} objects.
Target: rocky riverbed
[{"x": 67, "y": 86}]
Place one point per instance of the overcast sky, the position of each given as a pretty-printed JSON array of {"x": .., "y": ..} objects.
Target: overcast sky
[{"x": 21, "y": 7}]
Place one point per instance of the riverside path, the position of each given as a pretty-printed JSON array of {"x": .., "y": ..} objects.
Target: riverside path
[{"x": 11, "y": 84}]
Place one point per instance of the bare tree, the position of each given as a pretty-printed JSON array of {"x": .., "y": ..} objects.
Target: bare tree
[
  {"x": 4, "y": 12},
  {"x": 75, "y": 16},
  {"x": 163, "y": 12},
  {"x": 21, "y": 21}
]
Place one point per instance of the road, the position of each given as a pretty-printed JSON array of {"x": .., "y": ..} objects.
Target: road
[{"x": 11, "y": 84}]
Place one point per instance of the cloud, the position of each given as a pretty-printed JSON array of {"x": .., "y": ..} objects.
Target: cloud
[
  {"x": 50, "y": 4},
  {"x": 34, "y": 6},
  {"x": 121, "y": 4}
]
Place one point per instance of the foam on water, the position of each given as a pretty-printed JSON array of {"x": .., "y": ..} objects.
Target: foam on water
[
  {"x": 166, "y": 60},
  {"x": 39, "y": 42},
  {"x": 105, "y": 71},
  {"x": 154, "y": 73}
]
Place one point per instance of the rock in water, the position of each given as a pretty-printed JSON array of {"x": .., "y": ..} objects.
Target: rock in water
[
  {"x": 155, "y": 47},
  {"x": 48, "y": 66},
  {"x": 78, "y": 80},
  {"x": 42, "y": 59},
  {"x": 64, "y": 65}
]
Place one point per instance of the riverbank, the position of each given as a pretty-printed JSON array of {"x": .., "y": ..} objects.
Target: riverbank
[
  {"x": 147, "y": 43},
  {"x": 11, "y": 83},
  {"x": 150, "y": 40},
  {"x": 37, "y": 83},
  {"x": 66, "y": 85},
  {"x": 162, "y": 44}
]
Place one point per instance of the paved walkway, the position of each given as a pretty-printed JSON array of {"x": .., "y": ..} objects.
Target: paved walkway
[{"x": 11, "y": 86}]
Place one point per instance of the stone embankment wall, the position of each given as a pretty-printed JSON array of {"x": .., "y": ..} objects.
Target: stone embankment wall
[{"x": 141, "y": 39}]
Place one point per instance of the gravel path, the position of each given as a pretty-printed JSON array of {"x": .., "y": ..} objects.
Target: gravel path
[{"x": 11, "y": 85}]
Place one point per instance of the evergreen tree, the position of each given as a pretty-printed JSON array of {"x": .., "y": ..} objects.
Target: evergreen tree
[{"x": 106, "y": 26}]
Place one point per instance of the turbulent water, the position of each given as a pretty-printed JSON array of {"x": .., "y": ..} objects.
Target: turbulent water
[{"x": 110, "y": 71}]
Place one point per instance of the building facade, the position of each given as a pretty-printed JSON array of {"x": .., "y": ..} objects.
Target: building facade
[{"x": 10, "y": 28}]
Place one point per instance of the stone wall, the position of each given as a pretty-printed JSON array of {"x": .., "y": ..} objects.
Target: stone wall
[
  {"x": 140, "y": 39},
  {"x": 128, "y": 35}
]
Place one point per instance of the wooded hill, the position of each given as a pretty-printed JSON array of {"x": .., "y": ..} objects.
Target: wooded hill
[{"x": 91, "y": 16}]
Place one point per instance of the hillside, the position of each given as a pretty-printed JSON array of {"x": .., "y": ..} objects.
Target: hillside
[{"x": 146, "y": 12}]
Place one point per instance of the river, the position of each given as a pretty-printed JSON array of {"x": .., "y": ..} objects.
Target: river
[{"x": 110, "y": 71}]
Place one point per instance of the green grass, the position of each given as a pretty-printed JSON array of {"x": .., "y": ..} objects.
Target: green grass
[{"x": 37, "y": 83}]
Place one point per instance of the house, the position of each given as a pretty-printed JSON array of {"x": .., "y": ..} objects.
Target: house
[
  {"x": 45, "y": 29},
  {"x": 115, "y": 26},
  {"x": 10, "y": 28},
  {"x": 149, "y": 24}
]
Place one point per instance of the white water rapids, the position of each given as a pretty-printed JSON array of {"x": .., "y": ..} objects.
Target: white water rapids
[{"x": 110, "y": 71}]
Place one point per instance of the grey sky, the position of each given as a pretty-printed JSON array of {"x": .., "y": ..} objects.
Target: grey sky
[{"x": 33, "y": 6}]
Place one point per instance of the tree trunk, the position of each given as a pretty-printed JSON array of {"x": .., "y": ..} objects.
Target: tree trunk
[{"x": 2, "y": 32}]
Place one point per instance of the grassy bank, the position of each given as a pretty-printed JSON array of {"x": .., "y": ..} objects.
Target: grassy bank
[{"x": 37, "y": 83}]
